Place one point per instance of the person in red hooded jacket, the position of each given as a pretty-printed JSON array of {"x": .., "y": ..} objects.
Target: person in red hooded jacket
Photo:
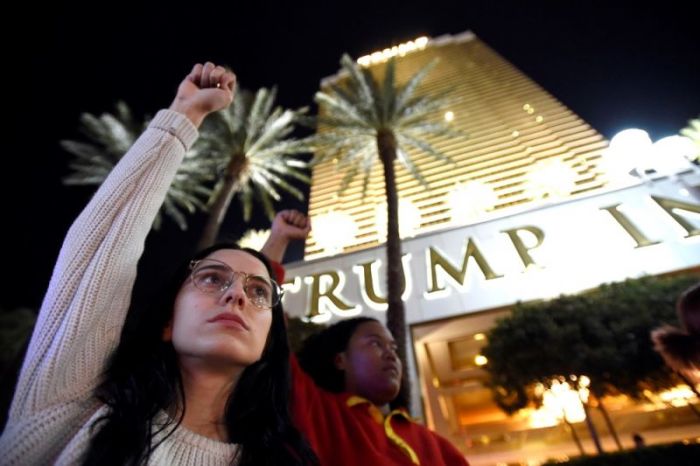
[{"x": 344, "y": 382}]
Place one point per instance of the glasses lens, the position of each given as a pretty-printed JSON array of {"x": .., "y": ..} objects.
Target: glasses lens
[
  {"x": 262, "y": 292},
  {"x": 212, "y": 277}
]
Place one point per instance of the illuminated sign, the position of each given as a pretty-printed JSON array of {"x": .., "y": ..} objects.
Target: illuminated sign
[
  {"x": 566, "y": 247},
  {"x": 395, "y": 51}
]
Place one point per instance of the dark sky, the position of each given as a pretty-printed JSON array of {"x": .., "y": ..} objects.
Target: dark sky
[{"x": 617, "y": 64}]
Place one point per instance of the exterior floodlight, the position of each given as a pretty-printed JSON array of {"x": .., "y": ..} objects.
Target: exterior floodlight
[
  {"x": 469, "y": 201},
  {"x": 409, "y": 219},
  {"x": 333, "y": 231}
]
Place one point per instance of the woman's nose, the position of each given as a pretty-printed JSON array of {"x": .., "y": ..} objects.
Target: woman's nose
[{"x": 235, "y": 293}]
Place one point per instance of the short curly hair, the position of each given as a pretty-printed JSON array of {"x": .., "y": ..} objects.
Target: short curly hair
[
  {"x": 680, "y": 348},
  {"x": 317, "y": 354}
]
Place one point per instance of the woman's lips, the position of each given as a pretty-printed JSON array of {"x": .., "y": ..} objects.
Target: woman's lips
[{"x": 229, "y": 320}]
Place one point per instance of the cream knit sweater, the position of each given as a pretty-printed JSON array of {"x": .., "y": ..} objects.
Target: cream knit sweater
[{"x": 84, "y": 309}]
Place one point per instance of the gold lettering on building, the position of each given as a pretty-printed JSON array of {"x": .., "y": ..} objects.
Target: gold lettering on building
[
  {"x": 629, "y": 227},
  {"x": 669, "y": 205},
  {"x": 435, "y": 260},
  {"x": 329, "y": 292},
  {"x": 520, "y": 247},
  {"x": 366, "y": 272}
]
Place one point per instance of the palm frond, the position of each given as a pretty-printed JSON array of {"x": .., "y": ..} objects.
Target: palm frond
[
  {"x": 174, "y": 213},
  {"x": 356, "y": 109},
  {"x": 339, "y": 142},
  {"x": 264, "y": 181},
  {"x": 364, "y": 154},
  {"x": 276, "y": 128},
  {"x": 342, "y": 110},
  {"x": 406, "y": 161},
  {"x": 109, "y": 136},
  {"x": 388, "y": 100},
  {"x": 692, "y": 132},
  {"x": 273, "y": 182},
  {"x": 257, "y": 116},
  {"x": 262, "y": 134},
  {"x": 422, "y": 145},
  {"x": 432, "y": 129},
  {"x": 359, "y": 82},
  {"x": 405, "y": 93},
  {"x": 286, "y": 169},
  {"x": 267, "y": 203},
  {"x": 246, "y": 200},
  {"x": 347, "y": 179}
]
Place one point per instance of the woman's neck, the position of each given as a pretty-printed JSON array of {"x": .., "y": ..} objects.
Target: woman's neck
[{"x": 207, "y": 391}]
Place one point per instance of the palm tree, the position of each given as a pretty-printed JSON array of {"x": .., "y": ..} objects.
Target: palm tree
[
  {"x": 110, "y": 136},
  {"x": 362, "y": 120},
  {"x": 251, "y": 147},
  {"x": 692, "y": 132},
  {"x": 240, "y": 150}
]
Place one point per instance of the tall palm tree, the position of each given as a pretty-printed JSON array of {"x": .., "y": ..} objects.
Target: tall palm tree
[
  {"x": 362, "y": 121},
  {"x": 692, "y": 132},
  {"x": 110, "y": 136},
  {"x": 251, "y": 147}
]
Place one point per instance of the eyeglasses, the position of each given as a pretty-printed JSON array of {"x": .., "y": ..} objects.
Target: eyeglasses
[{"x": 214, "y": 277}]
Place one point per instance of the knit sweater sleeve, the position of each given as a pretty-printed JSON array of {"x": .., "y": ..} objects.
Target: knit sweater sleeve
[{"x": 85, "y": 306}]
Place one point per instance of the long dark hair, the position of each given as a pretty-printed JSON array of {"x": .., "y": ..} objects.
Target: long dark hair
[{"x": 143, "y": 378}]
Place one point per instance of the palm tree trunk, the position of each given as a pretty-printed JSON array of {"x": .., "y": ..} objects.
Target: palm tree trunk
[
  {"x": 608, "y": 422},
  {"x": 219, "y": 208},
  {"x": 690, "y": 383},
  {"x": 591, "y": 428},
  {"x": 395, "y": 315},
  {"x": 574, "y": 435}
]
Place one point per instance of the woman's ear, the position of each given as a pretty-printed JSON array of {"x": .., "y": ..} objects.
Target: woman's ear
[
  {"x": 339, "y": 361},
  {"x": 168, "y": 331}
]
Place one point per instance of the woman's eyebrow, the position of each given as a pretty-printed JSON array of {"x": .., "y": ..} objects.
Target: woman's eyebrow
[
  {"x": 263, "y": 277},
  {"x": 215, "y": 266},
  {"x": 380, "y": 337}
]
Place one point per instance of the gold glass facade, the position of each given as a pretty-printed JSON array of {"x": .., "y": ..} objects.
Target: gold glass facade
[
  {"x": 512, "y": 127},
  {"x": 517, "y": 132}
]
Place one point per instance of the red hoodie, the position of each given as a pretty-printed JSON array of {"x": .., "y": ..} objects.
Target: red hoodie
[{"x": 344, "y": 429}]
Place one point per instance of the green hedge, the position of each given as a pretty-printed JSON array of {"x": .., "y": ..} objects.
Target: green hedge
[{"x": 676, "y": 454}]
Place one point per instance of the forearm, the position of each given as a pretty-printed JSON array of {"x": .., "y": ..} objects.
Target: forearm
[
  {"x": 194, "y": 114},
  {"x": 88, "y": 296},
  {"x": 275, "y": 247},
  {"x": 135, "y": 189}
]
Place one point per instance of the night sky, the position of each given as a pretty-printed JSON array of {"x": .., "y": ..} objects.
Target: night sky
[{"x": 617, "y": 64}]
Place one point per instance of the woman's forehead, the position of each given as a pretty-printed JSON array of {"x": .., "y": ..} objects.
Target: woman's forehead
[
  {"x": 372, "y": 328},
  {"x": 240, "y": 261}
]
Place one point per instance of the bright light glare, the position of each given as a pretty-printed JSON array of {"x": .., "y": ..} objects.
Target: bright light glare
[
  {"x": 671, "y": 155},
  {"x": 254, "y": 239},
  {"x": 469, "y": 201},
  {"x": 333, "y": 231},
  {"x": 559, "y": 402},
  {"x": 409, "y": 219},
  {"x": 551, "y": 178}
]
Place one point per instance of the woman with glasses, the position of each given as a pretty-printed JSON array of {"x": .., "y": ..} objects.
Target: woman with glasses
[{"x": 201, "y": 378}]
